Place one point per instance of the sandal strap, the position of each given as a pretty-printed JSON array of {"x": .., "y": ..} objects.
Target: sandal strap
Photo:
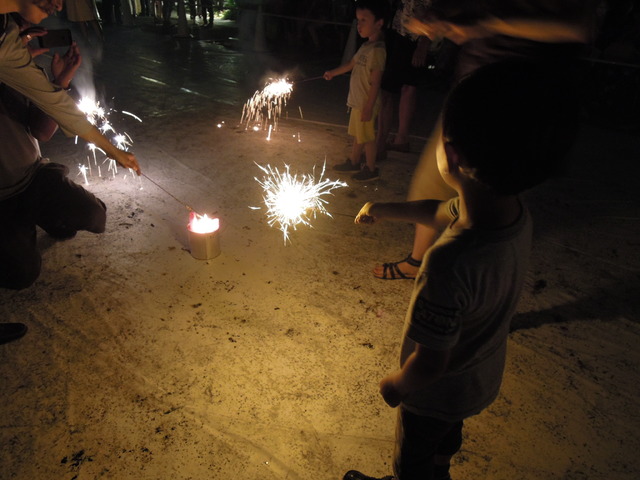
[
  {"x": 412, "y": 261},
  {"x": 394, "y": 271}
]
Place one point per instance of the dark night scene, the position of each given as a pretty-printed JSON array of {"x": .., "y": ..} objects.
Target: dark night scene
[{"x": 208, "y": 269}]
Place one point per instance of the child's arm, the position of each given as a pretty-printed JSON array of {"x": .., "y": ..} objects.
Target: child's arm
[
  {"x": 426, "y": 212},
  {"x": 374, "y": 90},
  {"x": 423, "y": 367},
  {"x": 347, "y": 67}
]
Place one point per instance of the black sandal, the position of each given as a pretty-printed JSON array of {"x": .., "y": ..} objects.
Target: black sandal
[{"x": 392, "y": 271}]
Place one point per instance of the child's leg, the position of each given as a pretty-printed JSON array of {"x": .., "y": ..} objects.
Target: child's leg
[
  {"x": 370, "y": 151},
  {"x": 356, "y": 152},
  {"x": 420, "y": 441}
]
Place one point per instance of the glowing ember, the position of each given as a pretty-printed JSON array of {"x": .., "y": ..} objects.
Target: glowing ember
[
  {"x": 202, "y": 223},
  {"x": 265, "y": 107},
  {"x": 294, "y": 199}
]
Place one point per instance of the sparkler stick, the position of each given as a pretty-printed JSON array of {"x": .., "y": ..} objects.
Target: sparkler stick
[
  {"x": 343, "y": 214},
  {"x": 169, "y": 193},
  {"x": 309, "y": 79}
]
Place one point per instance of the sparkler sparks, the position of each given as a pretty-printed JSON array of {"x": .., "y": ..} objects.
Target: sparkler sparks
[
  {"x": 83, "y": 172},
  {"x": 294, "y": 199},
  {"x": 98, "y": 117},
  {"x": 265, "y": 107}
]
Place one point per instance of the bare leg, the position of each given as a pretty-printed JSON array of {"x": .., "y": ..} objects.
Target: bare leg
[
  {"x": 426, "y": 183},
  {"x": 356, "y": 152},
  {"x": 406, "y": 109},
  {"x": 370, "y": 155},
  {"x": 423, "y": 238}
]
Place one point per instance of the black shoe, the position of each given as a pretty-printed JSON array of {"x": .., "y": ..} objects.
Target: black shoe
[
  {"x": 11, "y": 331},
  {"x": 366, "y": 175},
  {"x": 355, "y": 475}
]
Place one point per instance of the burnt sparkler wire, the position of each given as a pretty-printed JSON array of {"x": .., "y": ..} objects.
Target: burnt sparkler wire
[{"x": 169, "y": 193}]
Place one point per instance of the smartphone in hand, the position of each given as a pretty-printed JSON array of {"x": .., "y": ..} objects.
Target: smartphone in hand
[{"x": 56, "y": 38}]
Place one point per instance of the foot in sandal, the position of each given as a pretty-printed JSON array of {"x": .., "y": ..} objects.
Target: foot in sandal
[{"x": 406, "y": 269}]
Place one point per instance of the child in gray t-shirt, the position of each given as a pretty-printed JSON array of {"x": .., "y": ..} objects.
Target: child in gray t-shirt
[{"x": 498, "y": 140}]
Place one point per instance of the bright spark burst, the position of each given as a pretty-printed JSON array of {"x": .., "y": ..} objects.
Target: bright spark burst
[
  {"x": 98, "y": 117},
  {"x": 265, "y": 107},
  {"x": 294, "y": 199},
  {"x": 93, "y": 111}
]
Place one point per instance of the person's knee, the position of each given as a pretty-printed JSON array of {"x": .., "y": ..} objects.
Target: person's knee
[
  {"x": 99, "y": 218},
  {"x": 96, "y": 217}
]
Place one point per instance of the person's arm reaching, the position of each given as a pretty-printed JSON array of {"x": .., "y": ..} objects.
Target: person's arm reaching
[
  {"x": 347, "y": 67},
  {"x": 19, "y": 72},
  {"x": 425, "y": 212},
  {"x": 539, "y": 30},
  {"x": 63, "y": 69}
]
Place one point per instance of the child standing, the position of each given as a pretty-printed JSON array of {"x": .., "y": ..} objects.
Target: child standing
[
  {"x": 364, "y": 89},
  {"x": 497, "y": 140}
]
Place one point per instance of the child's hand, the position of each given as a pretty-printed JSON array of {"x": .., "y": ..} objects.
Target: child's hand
[
  {"x": 365, "y": 216},
  {"x": 390, "y": 392},
  {"x": 328, "y": 75}
]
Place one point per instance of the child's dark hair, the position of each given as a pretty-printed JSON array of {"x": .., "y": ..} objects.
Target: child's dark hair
[
  {"x": 513, "y": 122},
  {"x": 379, "y": 8}
]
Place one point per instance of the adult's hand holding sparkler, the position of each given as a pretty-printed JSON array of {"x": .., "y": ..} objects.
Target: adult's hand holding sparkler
[{"x": 126, "y": 159}]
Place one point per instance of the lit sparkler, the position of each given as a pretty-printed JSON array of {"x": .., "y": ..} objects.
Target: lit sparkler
[
  {"x": 92, "y": 109},
  {"x": 294, "y": 199},
  {"x": 98, "y": 117},
  {"x": 265, "y": 107}
]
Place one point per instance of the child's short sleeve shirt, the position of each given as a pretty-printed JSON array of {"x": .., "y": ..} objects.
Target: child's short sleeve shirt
[
  {"x": 463, "y": 301},
  {"x": 371, "y": 56}
]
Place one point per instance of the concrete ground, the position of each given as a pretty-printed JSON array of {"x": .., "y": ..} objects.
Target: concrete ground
[{"x": 142, "y": 362}]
